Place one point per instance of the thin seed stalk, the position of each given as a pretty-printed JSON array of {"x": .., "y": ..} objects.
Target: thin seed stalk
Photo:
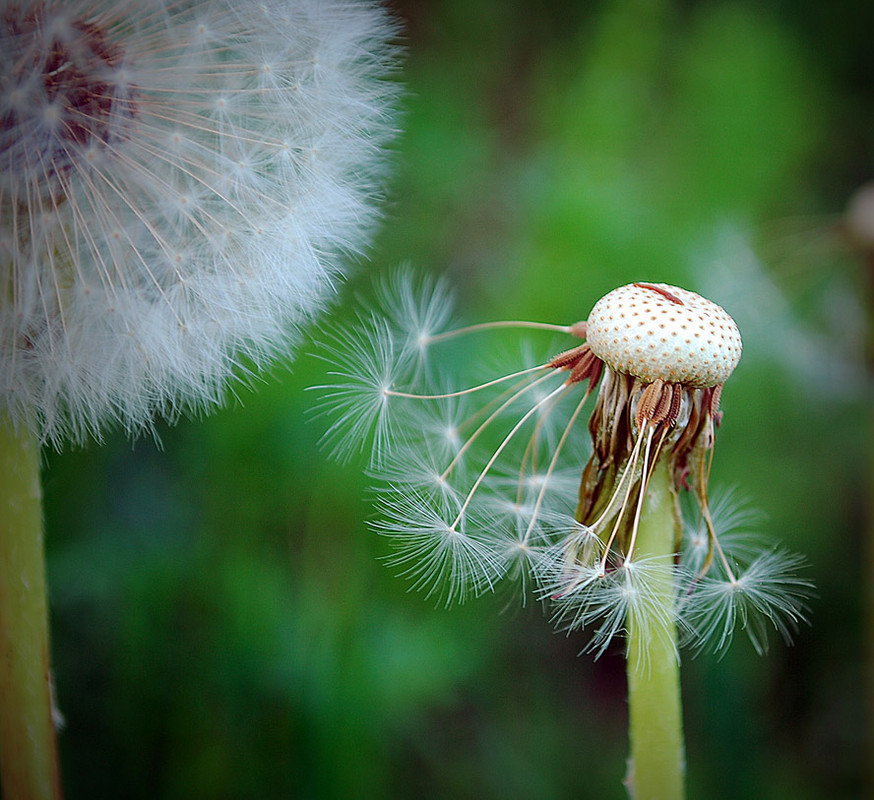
[
  {"x": 657, "y": 763},
  {"x": 28, "y": 747}
]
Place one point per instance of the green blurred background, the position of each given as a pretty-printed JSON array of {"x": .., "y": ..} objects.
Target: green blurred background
[{"x": 222, "y": 624}]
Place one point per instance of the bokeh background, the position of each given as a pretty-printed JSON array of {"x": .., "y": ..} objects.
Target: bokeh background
[{"x": 222, "y": 624}]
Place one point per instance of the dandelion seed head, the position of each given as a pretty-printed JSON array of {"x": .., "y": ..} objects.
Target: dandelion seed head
[
  {"x": 164, "y": 220},
  {"x": 662, "y": 332},
  {"x": 483, "y": 481}
]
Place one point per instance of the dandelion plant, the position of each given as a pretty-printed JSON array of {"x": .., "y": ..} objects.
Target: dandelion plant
[
  {"x": 484, "y": 478},
  {"x": 181, "y": 185}
]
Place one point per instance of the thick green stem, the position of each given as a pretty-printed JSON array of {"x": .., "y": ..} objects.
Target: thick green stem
[
  {"x": 28, "y": 750},
  {"x": 656, "y": 765}
]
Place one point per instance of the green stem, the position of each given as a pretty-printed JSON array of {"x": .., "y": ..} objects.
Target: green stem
[
  {"x": 657, "y": 765},
  {"x": 28, "y": 749}
]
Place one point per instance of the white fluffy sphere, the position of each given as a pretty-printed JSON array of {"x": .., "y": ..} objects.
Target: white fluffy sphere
[{"x": 181, "y": 184}]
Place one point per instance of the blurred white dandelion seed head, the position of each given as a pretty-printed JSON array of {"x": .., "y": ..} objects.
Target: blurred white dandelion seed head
[
  {"x": 484, "y": 485},
  {"x": 181, "y": 184}
]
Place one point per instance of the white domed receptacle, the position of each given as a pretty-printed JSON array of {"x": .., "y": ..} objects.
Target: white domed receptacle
[{"x": 657, "y": 331}]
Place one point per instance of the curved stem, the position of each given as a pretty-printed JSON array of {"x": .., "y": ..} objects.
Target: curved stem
[
  {"x": 28, "y": 749},
  {"x": 657, "y": 764}
]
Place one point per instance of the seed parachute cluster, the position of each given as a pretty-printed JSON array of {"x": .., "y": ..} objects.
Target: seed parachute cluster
[
  {"x": 181, "y": 184},
  {"x": 488, "y": 478}
]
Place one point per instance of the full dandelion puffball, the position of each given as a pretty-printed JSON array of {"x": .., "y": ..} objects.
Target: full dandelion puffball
[{"x": 180, "y": 186}]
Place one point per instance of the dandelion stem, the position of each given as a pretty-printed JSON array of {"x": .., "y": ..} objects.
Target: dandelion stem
[
  {"x": 656, "y": 765},
  {"x": 28, "y": 749}
]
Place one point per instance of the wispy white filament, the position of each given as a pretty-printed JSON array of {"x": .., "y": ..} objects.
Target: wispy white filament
[{"x": 180, "y": 185}]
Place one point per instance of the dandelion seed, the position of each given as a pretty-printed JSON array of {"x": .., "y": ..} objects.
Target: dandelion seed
[
  {"x": 767, "y": 593},
  {"x": 366, "y": 363},
  {"x": 421, "y": 309},
  {"x": 633, "y": 594},
  {"x": 735, "y": 521},
  {"x": 181, "y": 185},
  {"x": 444, "y": 559}
]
